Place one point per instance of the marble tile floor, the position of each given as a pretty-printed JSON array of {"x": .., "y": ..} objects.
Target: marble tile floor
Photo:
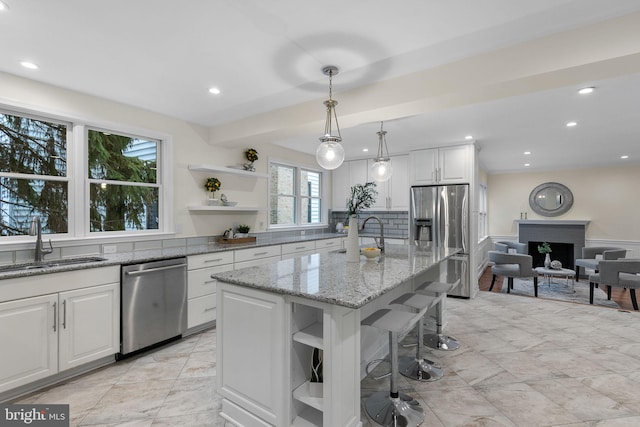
[{"x": 523, "y": 362}]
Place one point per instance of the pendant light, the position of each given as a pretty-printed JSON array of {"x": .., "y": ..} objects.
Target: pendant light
[
  {"x": 330, "y": 153},
  {"x": 381, "y": 168}
]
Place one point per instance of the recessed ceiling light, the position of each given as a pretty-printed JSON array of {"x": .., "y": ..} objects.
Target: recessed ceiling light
[
  {"x": 214, "y": 90},
  {"x": 3, "y": 6},
  {"x": 624, "y": 157},
  {"x": 586, "y": 90},
  {"x": 572, "y": 124},
  {"x": 527, "y": 164},
  {"x": 468, "y": 137},
  {"x": 527, "y": 152},
  {"x": 365, "y": 149},
  {"x": 29, "y": 65}
]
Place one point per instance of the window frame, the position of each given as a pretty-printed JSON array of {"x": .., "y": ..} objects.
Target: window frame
[
  {"x": 78, "y": 180},
  {"x": 298, "y": 197}
]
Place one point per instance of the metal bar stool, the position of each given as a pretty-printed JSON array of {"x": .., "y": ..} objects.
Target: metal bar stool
[
  {"x": 393, "y": 408},
  {"x": 439, "y": 341},
  {"x": 418, "y": 368}
]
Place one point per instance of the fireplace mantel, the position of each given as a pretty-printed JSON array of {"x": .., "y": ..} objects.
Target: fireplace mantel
[
  {"x": 554, "y": 231},
  {"x": 553, "y": 221}
]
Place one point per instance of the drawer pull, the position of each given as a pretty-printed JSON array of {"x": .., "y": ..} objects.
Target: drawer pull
[
  {"x": 209, "y": 309},
  {"x": 213, "y": 260},
  {"x": 210, "y": 282},
  {"x": 300, "y": 247},
  {"x": 260, "y": 253}
]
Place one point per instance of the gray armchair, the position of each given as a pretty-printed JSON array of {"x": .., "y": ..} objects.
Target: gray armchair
[
  {"x": 622, "y": 273},
  {"x": 590, "y": 261},
  {"x": 504, "y": 246},
  {"x": 510, "y": 266}
]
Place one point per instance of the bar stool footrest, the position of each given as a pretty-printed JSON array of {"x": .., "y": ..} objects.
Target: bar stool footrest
[
  {"x": 441, "y": 342},
  {"x": 419, "y": 370}
]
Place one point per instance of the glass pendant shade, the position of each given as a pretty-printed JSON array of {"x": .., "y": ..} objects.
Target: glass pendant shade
[
  {"x": 330, "y": 155},
  {"x": 381, "y": 170}
]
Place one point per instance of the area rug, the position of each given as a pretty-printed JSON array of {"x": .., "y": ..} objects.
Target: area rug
[{"x": 559, "y": 290}]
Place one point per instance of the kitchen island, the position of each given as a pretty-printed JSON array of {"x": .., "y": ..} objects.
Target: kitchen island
[{"x": 272, "y": 317}]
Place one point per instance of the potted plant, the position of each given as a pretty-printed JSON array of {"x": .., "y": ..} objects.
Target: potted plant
[
  {"x": 545, "y": 248},
  {"x": 243, "y": 230},
  {"x": 212, "y": 185},
  {"x": 252, "y": 155}
]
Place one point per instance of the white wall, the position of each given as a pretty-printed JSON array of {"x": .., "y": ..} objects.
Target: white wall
[
  {"x": 190, "y": 145},
  {"x": 608, "y": 197}
]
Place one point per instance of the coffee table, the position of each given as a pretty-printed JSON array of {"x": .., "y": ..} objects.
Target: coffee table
[{"x": 548, "y": 273}]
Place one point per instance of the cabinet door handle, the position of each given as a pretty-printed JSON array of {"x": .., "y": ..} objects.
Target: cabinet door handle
[
  {"x": 64, "y": 314},
  {"x": 55, "y": 315},
  {"x": 209, "y": 309},
  {"x": 213, "y": 260}
]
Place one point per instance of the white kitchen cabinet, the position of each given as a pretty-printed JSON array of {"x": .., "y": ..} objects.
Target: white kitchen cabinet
[
  {"x": 393, "y": 194},
  {"x": 346, "y": 176},
  {"x": 327, "y": 245},
  {"x": 29, "y": 336},
  {"x": 46, "y": 334},
  {"x": 88, "y": 324},
  {"x": 256, "y": 256},
  {"x": 444, "y": 165},
  {"x": 249, "y": 319},
  {"x": 202, "y": 288},
  {"x": 292, "y": 250}
]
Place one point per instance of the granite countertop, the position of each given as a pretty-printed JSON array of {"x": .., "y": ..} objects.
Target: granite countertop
[
  {"x": 328, "y": 277},
  {"x": 154, "y": 255}
]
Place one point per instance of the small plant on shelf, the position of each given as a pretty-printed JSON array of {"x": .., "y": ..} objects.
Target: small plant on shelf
[
  {"x": 252, "y": 155},
  {"x": 243, "y": 228},
  {"x": 212, "y": 184}
]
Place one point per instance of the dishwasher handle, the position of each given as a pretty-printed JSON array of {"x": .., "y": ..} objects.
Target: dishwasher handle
[{"x": 152, "y": 270}]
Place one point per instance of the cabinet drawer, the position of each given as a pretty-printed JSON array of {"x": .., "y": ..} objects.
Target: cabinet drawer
[
  {"x": 200, "y": 281},
  {"x": 254, "y": 262},
  {"x": 291, "y": 248},
  {"x": 257, "y": 253},
  {"x": 201, "y": 310},
  {"x": 210, "y": 260},
  {"x": 329, "y": 244}
]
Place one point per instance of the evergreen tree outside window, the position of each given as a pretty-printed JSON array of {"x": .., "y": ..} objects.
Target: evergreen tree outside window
[
  {"x": 123, "y": 184},
  {"x": 33, "y": 174}
]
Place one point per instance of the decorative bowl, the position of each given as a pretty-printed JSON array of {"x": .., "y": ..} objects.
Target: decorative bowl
[
  {"x": 556, "y": 265},
  {"x": 229, "y": 203},
  {"x": 370, "y": 252}
]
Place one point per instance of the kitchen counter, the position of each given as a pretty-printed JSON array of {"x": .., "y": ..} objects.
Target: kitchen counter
[
  {"x": 327, "y": 277},
  {"x": 158, "y": 254},
  {"x": 272, "y": 317}
]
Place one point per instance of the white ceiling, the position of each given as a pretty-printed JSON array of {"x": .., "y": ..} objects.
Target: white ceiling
[{"x": 504, "y": 71}]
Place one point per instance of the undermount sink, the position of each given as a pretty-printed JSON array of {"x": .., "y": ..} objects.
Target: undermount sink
[{"x": 49, "y": 264}]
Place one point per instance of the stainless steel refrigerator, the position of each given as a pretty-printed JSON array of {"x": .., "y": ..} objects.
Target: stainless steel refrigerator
[{"x": 439, "y": 215}]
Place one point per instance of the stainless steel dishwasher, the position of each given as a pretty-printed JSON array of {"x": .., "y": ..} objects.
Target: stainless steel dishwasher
[{"x": 154, "y": 303}]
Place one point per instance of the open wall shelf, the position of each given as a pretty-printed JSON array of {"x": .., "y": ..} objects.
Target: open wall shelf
[{"x": 225, "y": 169}]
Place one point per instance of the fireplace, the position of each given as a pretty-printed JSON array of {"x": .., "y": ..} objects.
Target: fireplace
[
  {"x": 566, "y": 237},
  {"x": 562, "y": 252}
]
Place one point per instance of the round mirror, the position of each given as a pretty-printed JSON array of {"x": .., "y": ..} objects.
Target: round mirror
[{"x": 550, "y": 199}]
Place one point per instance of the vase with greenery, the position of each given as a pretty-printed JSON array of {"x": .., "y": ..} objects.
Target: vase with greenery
[
  {"x": 362, "y": 197},
  {"x": 251, "y": 154},
  {"x": 545, "y": 248}
]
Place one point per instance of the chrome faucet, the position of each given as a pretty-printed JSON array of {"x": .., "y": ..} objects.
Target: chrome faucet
[
  {"x": 379, "y": 243},
  {"x": 36, "y": 230}
]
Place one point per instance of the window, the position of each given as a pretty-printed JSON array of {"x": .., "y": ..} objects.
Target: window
[
  {"x": 482, "y": 212},
  {"x": 123, "y": 189},
  {"x": 118, "y": 188},
  {"x": 33, "y": 174},
  {"x": 295, "y": 196}
]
